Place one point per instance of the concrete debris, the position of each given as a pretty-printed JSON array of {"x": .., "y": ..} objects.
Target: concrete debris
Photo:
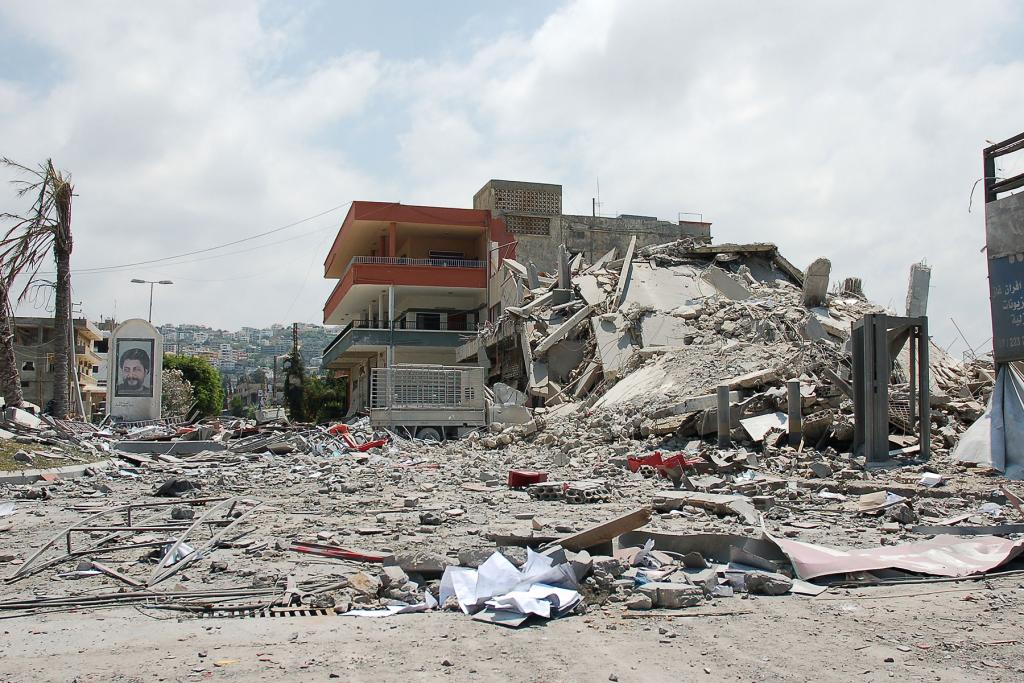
[{"x": 596, "y": 485}]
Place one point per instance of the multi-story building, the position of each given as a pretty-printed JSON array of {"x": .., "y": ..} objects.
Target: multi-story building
[
  {"x": 414, "y": 281},
  {"x": 34, "y": 347}
]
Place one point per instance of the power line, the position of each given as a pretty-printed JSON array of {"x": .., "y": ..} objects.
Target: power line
[
  {"x": 114, "y": 268},
  {"x": 117, "y": 269}
]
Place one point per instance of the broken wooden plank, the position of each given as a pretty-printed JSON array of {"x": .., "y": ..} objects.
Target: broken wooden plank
[{"x": 606, "y": 531}]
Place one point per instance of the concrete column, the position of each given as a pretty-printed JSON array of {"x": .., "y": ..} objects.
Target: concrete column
[
  {"x": 532, "y": 278},
  {"x": 391, "y": 319},
  {"x": 369, "y": 313},
  {"x": 444, "y": 320},
  {"x": 724, "y": 416},
  {"x": 563, "y": 267},
  {"x": 794, "y": 406},
  {"x": 917, "y": 290},
  {"x": 381, "y": 310},
  {"x": 392, "y": 239},
  {"x": 816, "y": 282}
]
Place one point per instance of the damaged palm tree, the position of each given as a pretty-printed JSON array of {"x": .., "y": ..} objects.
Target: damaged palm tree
[
  {"x": 23, "y": 250},
  {"x": 10, "y": 383}
]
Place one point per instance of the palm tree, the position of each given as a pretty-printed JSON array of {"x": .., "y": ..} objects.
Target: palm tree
[
  {"x": 10, "y": 381},
  {"x": 23, "y": 249}
]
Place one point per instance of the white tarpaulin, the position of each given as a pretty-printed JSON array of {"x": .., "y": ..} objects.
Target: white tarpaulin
[{"x": 997, "y": 438}]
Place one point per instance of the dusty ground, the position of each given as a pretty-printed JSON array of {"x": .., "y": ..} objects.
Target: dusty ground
[{"x": 947, "y": 632}]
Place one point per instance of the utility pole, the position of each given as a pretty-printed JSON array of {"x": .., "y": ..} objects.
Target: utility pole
[{"x": 151, "y": 283}]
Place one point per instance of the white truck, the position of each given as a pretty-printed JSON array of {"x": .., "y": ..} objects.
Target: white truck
[{"x": 430, "y": 402}]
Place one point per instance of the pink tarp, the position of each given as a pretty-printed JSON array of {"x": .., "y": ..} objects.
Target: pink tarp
[{"x": 940, "y": 556}]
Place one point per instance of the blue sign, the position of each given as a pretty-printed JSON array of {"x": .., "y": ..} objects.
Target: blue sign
[{"x": 1006, "y": 288}]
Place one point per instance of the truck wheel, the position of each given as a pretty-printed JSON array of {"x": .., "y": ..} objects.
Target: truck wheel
[{"x": 428, "y": 434}]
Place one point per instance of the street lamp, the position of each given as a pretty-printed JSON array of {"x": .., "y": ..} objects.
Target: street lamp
[{"x": 151, "y": 283}]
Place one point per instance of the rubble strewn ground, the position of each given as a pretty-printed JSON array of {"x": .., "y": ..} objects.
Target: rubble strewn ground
[{"x": 292, "y": 527}]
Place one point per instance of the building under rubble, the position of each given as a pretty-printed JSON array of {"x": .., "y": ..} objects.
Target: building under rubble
[{"x": 415, "y": 283}]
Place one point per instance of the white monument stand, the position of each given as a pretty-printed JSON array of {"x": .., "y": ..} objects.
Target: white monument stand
[{"x": 135, "y": 371}]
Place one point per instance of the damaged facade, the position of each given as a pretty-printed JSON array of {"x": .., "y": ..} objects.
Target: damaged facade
[
  {"x": 414, "y": 280},
  {"x": 34, "y": 349}
]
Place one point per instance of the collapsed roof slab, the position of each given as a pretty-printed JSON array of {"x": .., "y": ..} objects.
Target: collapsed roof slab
[
  {"x": 662, "y": 329},
  {"x": 614, "y": 342},
  {"x": 664, "y": 289}
]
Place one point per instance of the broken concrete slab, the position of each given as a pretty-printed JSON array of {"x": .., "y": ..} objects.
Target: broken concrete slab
[
  {"x": 815, "y": 290},
  {"x": 693, "y": 404},
  {"x": 590, "y": 290},
  {"x": 614, "y": 342},
  {"x": 564, "y": 330},
  {"x": 725, "y": 285},
  {"x": 627, "y": 264},
  {"x": 753, "y": 380},
  {"x": 667, "y": 501},
  {"x": 672, "y": 595},
  {"x": 661, "y": 329},
  {"x": 757, "y": 427}
]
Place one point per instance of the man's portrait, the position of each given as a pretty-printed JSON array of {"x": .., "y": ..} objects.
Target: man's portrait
[{"x": 134, "y": 370}]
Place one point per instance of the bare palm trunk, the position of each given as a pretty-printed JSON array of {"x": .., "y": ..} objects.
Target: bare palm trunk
[
  {"x": 10, "y": 381},
  {"x": 62, "y": 310}
]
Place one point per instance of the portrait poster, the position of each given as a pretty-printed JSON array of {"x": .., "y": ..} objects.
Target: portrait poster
[{"x": 133, "y": 374}]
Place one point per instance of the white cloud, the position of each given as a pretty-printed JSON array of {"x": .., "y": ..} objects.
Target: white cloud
[{"x": 845, "y": 129}]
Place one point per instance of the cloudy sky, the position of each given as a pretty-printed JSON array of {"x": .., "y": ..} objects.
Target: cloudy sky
[{"x": 851, "y": 130}]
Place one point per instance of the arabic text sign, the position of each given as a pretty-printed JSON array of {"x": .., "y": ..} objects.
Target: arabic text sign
[{"x": 1006, "y": 284}]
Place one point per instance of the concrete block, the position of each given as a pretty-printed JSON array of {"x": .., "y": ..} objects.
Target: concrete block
[
  {"x": 672, "y": 595},
  {"x": 816, "y": 282},
  {"x": 768, "y": 583},
  {"x": 917, "y": 290}
]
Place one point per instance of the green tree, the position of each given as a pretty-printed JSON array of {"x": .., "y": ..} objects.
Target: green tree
[
  {"x": 325, "y": 398},
  {"x": 203, "y": 377},
  {"x": 238, "y": 408},
  {"x": 294, "y": 387}
]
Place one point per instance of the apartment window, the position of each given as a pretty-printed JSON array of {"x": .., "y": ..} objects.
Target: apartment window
[
  {"x": 29, "y": 366},
  {"x": 447, "y": 255},
  {"x": 25, "y": 384},
  {"x": 428, "y": 321}
]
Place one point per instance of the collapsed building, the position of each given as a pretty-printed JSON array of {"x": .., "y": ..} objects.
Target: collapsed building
[
  {"x": 412, "y": 280},
  {"x": 571, "y": 315}
]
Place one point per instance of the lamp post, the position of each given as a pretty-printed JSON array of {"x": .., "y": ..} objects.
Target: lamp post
[{"x": 151, "y": 283}]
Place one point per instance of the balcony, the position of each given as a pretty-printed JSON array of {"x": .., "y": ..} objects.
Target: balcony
[
  {"x": 88, "y": 353},
  {"x": 368, "y": 333},
  {"x": 396, "y": 261},
  {"x": 380, "y": 271}
]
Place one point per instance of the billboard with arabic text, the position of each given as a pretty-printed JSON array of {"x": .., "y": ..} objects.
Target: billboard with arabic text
[{"x": 1006, "y": 283}]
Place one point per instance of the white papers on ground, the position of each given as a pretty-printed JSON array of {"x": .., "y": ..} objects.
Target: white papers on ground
[{"x": 541, "y": 587}]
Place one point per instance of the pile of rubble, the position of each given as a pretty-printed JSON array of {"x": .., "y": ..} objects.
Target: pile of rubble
[
  {"x": 643, "y": 343},
  {"x": 619, "y": 493}
]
